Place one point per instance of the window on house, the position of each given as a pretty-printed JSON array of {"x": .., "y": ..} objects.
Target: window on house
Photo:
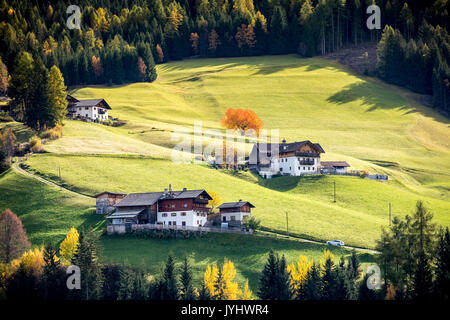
[
  {"x": 304, "y": 168},
  {"x": 86, "y": 108},
  {"x": 183, "y": 214},
  {"x": 281, "y": 169},
  {"x": 173, "y": 206},
  {"x": 174, "y": 223},
  {"x": 185, "y": 205},
  {"x": 183, "y": 223},
  {"x": 313, "y": 168},
  {"x": 233, "y": 218},
  {"x": 164, "y": 214},
  {"x": 173, "y": 214},
  {"x": 170, "y": 223}
]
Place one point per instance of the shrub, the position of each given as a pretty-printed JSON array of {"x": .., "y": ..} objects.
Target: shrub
[
  {"x": 36, "y": 145},
  {"x": 107, "y": 122},
  {"x": 52, "y": 134},
  {"x": 6, "y": 118}
]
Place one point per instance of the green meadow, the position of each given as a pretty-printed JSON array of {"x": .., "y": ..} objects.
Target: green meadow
[{"x": 371, "y": 125}]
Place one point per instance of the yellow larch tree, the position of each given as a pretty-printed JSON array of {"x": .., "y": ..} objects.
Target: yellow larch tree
[
  {"x": 69, "y": 246},
  {"x": 299, "y": 272}
]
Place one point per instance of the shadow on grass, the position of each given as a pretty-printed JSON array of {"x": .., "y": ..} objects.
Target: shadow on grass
[{"x": 371, "y": 95}]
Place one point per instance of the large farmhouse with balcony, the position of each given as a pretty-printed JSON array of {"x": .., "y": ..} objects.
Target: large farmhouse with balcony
[
  {"x": 92, "y": 109},
  {"x": 173, "y": 208},
  {"x": 294, "y": 159}
]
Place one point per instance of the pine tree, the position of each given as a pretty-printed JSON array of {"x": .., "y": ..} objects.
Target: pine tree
[
  {"x": 328, "y": 277},
  {"x": 283, "y": 283},
  {"x": 423, "y": 282},
  {"x": 313, "y": 284},
  {"x": 269, "y": 277},
  {"x": 442, "y": 283},
  {"x": 87, "y": 259},
  {"x": 169, "y": 282},
  {"x": 53, "y": 276},
  {"x": 186, "y": 287}
]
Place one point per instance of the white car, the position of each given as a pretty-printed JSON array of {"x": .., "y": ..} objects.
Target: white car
[{"x": 335, "y": 243}]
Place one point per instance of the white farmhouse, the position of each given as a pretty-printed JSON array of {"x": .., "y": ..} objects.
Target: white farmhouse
[
  {"x": 293, "y": 159},
  {"x": 93, "y": 109},
  {"x": 186, "y": 208}
]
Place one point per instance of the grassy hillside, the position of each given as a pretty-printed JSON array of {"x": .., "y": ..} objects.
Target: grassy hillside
[
  {"x": 249, "y": 253},
  {"x": 363, "y": 121},
  {"x": 48, "y": 214}
]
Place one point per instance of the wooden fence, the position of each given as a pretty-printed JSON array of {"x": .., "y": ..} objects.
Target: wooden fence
[{"x": 121, "y": 228}]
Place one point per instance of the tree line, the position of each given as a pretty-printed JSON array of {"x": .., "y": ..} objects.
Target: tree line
[
  {"x": 120, "y": 40},
  {"x": 414, "y": 263}
]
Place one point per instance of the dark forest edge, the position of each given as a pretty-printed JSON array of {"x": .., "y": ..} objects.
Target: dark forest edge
[{"x": 120, "y": 40}]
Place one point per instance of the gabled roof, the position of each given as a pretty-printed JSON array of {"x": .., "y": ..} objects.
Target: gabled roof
[
  {"x": 150, "y": 198},
  {"x": 124, "y": 214},
  {"x": 334, "y": 164},
  {"x": 264, "y": 148},
  {"x": 71, "y": 98},
  {"x": 188, "y": 194},
  {"x": 230, "y": 205},
  {"x": 91, "y": 103},
  {"x": 112, "y": 193},
  {"x": 139, "y": 199}
]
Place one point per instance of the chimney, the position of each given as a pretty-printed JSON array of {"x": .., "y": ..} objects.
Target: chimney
[
  {"x": 184, "y": 189},
  {"x": 170, "y": 188},
  {"x": 284, "y": 141},
  {"x": 165, "y": 192},
  {"x": 240, "y": 200}
]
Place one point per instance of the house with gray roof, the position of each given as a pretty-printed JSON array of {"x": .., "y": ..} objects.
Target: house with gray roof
[
  {"x": 294, "y": 159},
  {"x": 91, "y": 109},
  {"x": 173, "y": 208},
  {"x": 235, "y": 212}
]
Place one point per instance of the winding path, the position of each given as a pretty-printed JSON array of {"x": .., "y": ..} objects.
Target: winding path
[{"x": 16, "y": 167}]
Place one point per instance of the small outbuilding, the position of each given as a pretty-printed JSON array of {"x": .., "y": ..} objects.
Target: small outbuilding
[
  {"x": 334, "y": 167},
  {"x": 234, "y": 212},
  {"x": 106, "y": 201}
]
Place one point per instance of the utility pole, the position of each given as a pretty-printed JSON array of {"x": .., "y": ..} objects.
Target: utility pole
[
  {"x": 389, "y": 213},
  {"x": 334, "y": 191},
  {"x": 287, "y": 224}
]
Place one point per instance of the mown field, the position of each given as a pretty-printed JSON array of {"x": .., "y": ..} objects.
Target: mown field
[{"x": 371, "y": 125}]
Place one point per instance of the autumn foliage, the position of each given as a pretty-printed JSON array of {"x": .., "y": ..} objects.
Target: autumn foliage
[
  {"x": 13, "y": 238},
  {"x": 242, "y": 119}
]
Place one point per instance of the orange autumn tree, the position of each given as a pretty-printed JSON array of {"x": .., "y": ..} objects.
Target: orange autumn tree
[{"x": 242, "y": 119}]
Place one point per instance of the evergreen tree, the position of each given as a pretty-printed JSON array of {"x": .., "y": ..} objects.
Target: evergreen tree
[
  {"x": 87, "y": 259},
  {"x": 169, "y": 283},
  {"x": 269, "y": 277},
  {"x": 313, "y": 284},
  {"x": 186, "y": 287},
  {"x": 442, "y": 283},
  {"x": 423, "y": 282},
  {"x": 53, "y": 276}
]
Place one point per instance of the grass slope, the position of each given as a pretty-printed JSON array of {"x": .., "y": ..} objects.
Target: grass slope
[
  {"x": 362, "y": 204},
  {"x": 249, "y": 253},
  {"x": 46, "y": 212},
  {"x": 371, "y": 125}
]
